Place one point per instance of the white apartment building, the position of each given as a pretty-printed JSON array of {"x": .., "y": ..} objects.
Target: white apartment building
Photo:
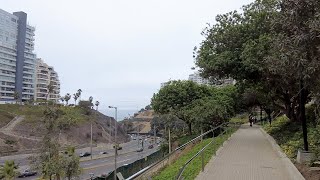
[
  {"x": 17, "y": 60},
  {"x": 46, "y": 75},
  {"x": 195, "y": 77}
]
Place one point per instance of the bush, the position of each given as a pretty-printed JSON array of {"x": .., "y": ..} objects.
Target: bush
[{"x": 10, "y": 142}]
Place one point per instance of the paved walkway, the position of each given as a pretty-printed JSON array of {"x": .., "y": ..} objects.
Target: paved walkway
[{"x": 249, "y": 155}]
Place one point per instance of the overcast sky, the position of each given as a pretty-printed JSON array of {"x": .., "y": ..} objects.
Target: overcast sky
[{"x": 119, "y": 51}]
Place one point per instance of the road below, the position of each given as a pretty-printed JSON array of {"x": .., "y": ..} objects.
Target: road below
[{"x": 100, "y": 163}]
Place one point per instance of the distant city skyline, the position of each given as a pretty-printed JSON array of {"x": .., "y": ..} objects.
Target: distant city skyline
[{"x": 119, "y": 51}]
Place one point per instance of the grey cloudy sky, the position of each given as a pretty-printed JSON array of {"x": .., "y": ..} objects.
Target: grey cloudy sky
[{"x": 119, "y": 51}]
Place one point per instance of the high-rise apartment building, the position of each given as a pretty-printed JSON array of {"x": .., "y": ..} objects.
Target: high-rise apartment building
[
  {"x": 46, "y": 75},
  {"x": 217, "y": 82},
  {"x": 17, "y": 60},
  {"x": 195, "y": 77}
]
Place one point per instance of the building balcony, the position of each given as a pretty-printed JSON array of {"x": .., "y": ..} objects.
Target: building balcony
[
  {"x": 8, "y": 75},
  {"x": 28, "y": 72},
  {"x": 29, "y": 93},
  {"x": 28, "y": 82},
  {"x": 25, "y": 87},
  {"x": 9, "y": 64},
  {"x": 42, "y": 73},
  {"x": 28, "y": 67},
  {"x": 6, "y": 52},
  {"x": 5, "y": 91},
  {"x": 28, "y": 77},
  {"x": 8, "y": 69},
  {"x": 7, "y": 86}
]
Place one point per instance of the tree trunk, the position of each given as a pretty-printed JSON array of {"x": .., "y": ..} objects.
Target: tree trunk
[{"x": 190, "y": 130}]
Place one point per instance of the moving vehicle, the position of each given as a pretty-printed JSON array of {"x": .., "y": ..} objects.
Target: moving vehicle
[
  {"x": 150, "y": 146},
  {"x": 27, "y": 173},
  {"x": 84, "y": 154},
  {"x": 140, "y": 150},
  {"x": 103, "y": 152}
]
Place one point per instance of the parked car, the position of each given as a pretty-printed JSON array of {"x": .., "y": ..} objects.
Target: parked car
[
  {"x": 84, "y": 154},
  {"x": 103, "y": 152},
  {"x": 140, "y": 150},
  {"x": 150, "y": 146},
  {"x": 27, "y": 173}
]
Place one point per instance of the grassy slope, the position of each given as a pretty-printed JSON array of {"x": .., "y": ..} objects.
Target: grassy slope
[
  {"x": 194, "y": 168},
  {"x": 35, "y": 113},
  {"x": 5, "y": 118},
  {"x": 289, "y": 135}
]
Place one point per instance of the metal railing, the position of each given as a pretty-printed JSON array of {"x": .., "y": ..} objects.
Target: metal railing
[
  {"x": 225, "y": 130},
  {"x": 167, "y": 157}
]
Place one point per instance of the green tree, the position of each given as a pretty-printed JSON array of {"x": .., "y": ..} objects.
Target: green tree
[
  {"x": 50, "y": 89},
  {"x": 67, "y": 97},
  {"x": 8, "y": 171},
  {"x": 97, "y": 104},
  {"x": 176, "y": 96},
  {"x": 91, "y": 100},
  {"x": 72, "y": 164},
  {"x": 296, "y": 43},
  {"x": 16, "y": 96},
  {"x": 148, "y": 107},
  {"x": 79, "y": 93},
  {"x": 75, "y": 97},
  {"x": 62, "y": 100}
]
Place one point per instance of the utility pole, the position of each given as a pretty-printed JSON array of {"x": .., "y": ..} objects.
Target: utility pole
[
  {"x": 155, "y": 134},
  {"x": 169, "y": 141},
  {"x": 115, "y": 142},
  {"x": 91, "y": 142}
]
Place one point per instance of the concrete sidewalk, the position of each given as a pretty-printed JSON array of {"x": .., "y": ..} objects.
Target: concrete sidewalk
[{"x": 250, "y": 154}]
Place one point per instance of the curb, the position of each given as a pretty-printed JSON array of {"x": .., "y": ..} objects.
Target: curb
[{"x": 291, "y": 168}]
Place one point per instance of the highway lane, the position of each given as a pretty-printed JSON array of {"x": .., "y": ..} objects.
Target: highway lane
[
  {"x": 107, "y": 165},
  {"x": 22, "y": 159}
]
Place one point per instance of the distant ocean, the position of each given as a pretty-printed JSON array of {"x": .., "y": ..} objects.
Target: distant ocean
[{"x": 122, "y": 113}]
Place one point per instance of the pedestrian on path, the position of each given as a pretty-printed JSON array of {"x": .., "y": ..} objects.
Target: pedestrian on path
[{"x": 250, "y": 120}]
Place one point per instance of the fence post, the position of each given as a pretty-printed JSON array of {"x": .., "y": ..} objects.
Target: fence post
[{"x": 202, "y": 161}]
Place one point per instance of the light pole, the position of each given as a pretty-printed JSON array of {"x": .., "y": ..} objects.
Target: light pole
[{"x": 115, "y": 142}]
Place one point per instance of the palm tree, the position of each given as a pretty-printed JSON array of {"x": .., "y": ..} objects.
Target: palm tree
[
  {"x": 67, "y": 97},
  {"x": 8, "y": 170},
  {"x": 50, "y": 89},
  {"x": 90, "y": 100},
  {"x": 75, "y": 97},
  {"x": 79, "y": 93},
  {"x": 62, "y": 100},
  {"x": 16, "y": 96},
  {"x": 97, "y": 104}
]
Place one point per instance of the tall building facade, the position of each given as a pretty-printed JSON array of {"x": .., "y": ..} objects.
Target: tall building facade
[
  {"x": 17, "y": 59},
  {"x": 217, "y": 82},
  {"x": 195, "y": 77},
  {"x": 47, "y": 76}
]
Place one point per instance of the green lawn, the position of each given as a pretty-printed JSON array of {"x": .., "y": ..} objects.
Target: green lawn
[{"x": 194, "y": 168}]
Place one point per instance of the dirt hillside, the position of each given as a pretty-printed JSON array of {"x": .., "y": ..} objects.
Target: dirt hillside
[{"x": 25, "y": 132}]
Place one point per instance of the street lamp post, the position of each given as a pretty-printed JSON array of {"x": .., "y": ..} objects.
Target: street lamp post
[{"x": 115, "y": 143}]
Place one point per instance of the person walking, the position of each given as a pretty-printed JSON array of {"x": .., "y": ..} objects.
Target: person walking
[{"x": 250, "y": 120}]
